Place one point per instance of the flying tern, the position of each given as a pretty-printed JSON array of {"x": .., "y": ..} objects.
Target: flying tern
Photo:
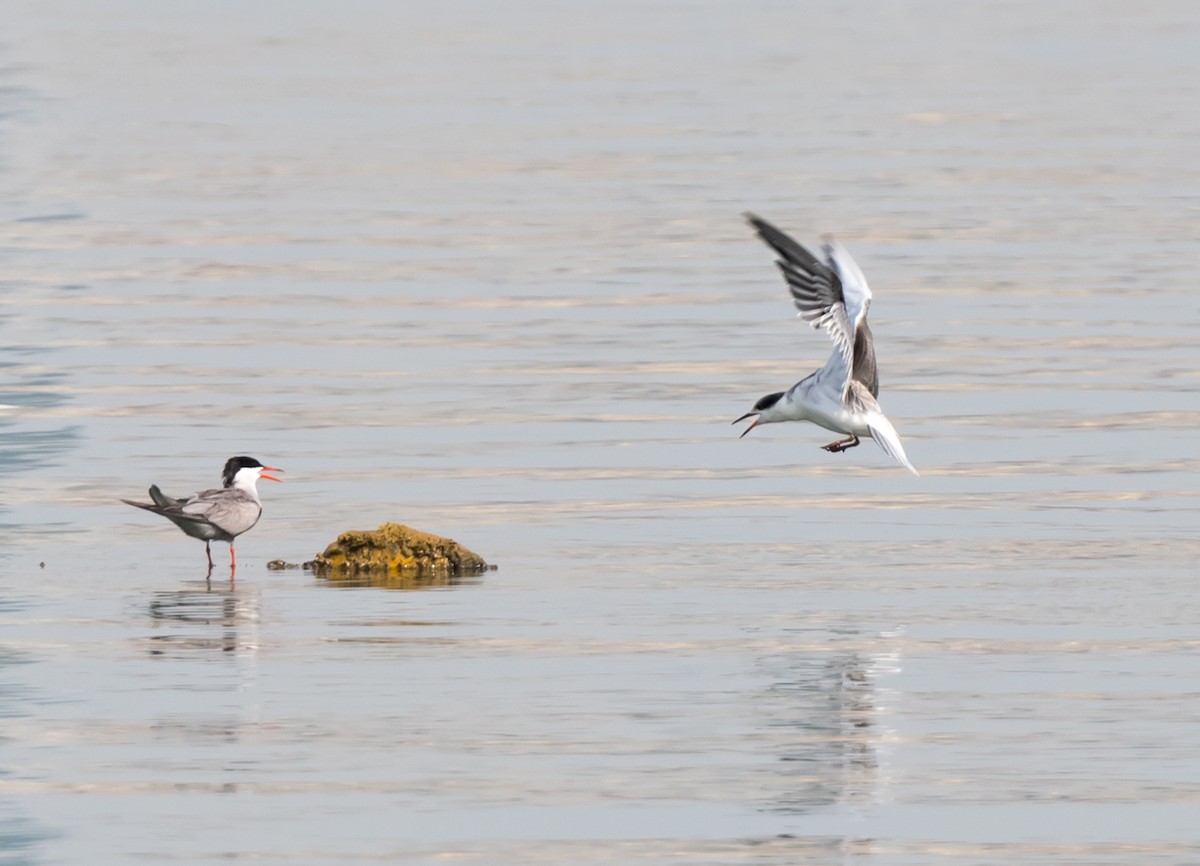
[{"x": 832, "y": 295}]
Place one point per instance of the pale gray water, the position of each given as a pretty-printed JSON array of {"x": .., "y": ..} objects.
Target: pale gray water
[{"x": 480, "y": 268}]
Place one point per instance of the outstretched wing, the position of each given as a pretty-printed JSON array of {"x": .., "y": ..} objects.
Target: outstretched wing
[
  {"x": 856, "y": 298},
  {"x": 820, "y": 294}
]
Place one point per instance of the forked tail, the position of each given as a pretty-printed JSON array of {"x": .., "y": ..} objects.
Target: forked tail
[
  {"x": 885, "y": 435},
  {"x": 161, "y": 504},
  {"x": 160, "y": 499}
]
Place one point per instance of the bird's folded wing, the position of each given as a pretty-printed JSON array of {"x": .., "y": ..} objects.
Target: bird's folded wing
[
  {"x": 200, "y": 507},
  {"x": 232, "y": 511}
]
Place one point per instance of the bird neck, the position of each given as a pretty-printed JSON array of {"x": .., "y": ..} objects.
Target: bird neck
[{"x": 247, "y": 482}]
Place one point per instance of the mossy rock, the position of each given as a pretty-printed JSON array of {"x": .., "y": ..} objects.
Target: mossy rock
[{"x": 395, "y": 554}]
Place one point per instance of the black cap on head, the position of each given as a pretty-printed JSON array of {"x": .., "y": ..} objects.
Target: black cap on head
[
  {"x": 768, "y": 401},
  {"x": 233, "y": 464}
]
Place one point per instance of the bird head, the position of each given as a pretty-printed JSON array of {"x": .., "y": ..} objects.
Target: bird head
[
  {"x": 764, "y": 411},
  {"x": 242, "y": 470}
]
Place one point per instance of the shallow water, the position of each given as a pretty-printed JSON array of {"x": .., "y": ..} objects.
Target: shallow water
[{"x": 482, "y": 270}]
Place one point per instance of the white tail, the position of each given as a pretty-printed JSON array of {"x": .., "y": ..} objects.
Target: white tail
[{"x": 885, "y": 435}]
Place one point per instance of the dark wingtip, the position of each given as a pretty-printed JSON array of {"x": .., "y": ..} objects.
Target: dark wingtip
[
  {"x": 786, "y": 246},
  {"x": 760, "y": 225}
]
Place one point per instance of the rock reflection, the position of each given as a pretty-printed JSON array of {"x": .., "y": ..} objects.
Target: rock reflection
[
  {"x": 405, "y": 581},
  {"x": 827, "y": 728}
]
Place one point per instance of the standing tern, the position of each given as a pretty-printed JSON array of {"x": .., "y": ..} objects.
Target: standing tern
[
  {"x": 216, "y": 515},
  {"x": 840, "y": 396}
]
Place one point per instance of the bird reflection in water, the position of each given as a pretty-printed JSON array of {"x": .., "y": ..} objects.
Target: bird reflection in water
[
  {"x": 192, "y": 620},
  {"x": 827, "y": 724}
]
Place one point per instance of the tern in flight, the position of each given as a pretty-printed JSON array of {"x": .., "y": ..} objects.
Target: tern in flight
[{"x": 832, "y": 295}]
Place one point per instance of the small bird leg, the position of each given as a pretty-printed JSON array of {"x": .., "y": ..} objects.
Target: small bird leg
[
  {"x": 842, "y": 444},
  {"x": 208, "y": 553},
  {"x": 232, "y": 557}
]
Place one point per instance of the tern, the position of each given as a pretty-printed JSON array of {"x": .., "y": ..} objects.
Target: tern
[
  {"x": 832, "y": 295},
  {"x": 216, "y": 515}
]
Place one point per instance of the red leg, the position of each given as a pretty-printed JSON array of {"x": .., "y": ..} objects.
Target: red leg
[{"x": 841, "y": 444}]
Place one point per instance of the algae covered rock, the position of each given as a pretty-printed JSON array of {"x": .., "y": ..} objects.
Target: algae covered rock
[{"x": 396, "y": 554}]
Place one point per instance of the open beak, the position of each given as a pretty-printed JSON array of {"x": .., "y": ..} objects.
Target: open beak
[
  {"x": 752, "y": 426},
  {"x": 267, "y": 469}
]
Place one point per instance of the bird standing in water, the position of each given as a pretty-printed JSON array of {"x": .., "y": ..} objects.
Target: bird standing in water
[
  {"x": 216, "y": 515},
  {"x": 840, "y": 396}
]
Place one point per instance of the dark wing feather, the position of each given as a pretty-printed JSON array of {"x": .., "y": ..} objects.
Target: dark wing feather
[
  {"x": 817, "y": 293},
  {"x": 195, "y": 525},
  {"x": 167, "y": 506},
  {"x": 815, "y": 286},
  {"x": 865, "y": 370}
]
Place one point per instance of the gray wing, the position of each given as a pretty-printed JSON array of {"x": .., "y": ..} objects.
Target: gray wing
[
  {"x": 817, "y": 293},
  {"x": 195, "y": 524},
  {"x": 865, "y": 370},
  {"x": 169, "y": 506},
  {"x": 229, "y": 509},
  {"x": 856, "y": 298}
]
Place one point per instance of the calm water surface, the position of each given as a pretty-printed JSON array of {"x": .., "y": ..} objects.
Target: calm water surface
[{"x": 481, "y": 269}]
